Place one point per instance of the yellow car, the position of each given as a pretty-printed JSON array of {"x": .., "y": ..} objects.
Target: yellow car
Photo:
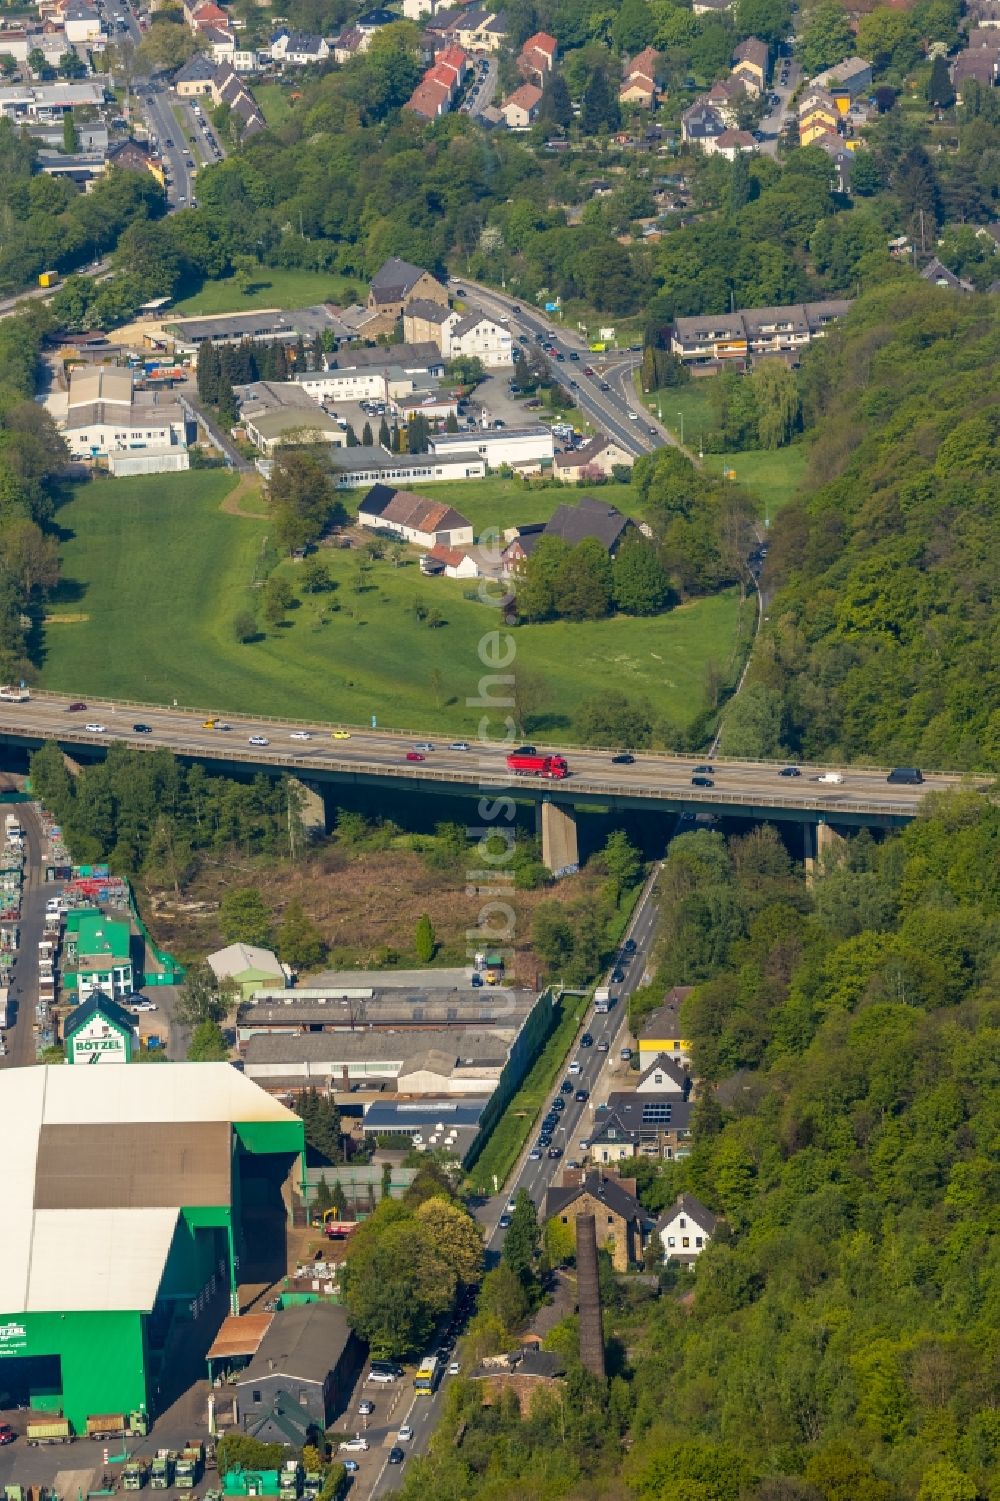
[
  {"x": 209, "y": 724},
  {"x": 341, "y": 735}
]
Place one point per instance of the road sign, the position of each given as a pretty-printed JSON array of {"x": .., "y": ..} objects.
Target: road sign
[{"x": 552, "y": 307}]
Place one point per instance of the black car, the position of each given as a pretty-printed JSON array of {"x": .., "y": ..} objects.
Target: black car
[
  {"x": 582, "y": 1095},
  {"x": 629, "y": 945},
  {"x": 545, "y": 1140},
  {"x": 789, "y": 771},
  {"x": 515, "y": 308},
  {"x": 705, "y": 769},
  {"x": 566, "y": 1087},
  {"x": 526, "y": 750},
  {"x": 624, "y": 759},
  {"x": 558, "y": 1103},
  {"x": 168, "y": 141},
  {"x": 142, "y": 729},
  {"x": 702, "y": 782},
  {"x": 573, "y": 355},
  {"x": 586, "y": 1041},
  {"x": 396, "y": 1455},
  {"x": 617, "y": 975},
  {"x": 604, "y": 386},
  {"x": 554, "y": 1152}
]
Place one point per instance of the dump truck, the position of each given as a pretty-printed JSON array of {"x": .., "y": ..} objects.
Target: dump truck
[
  {"x": 48, "y": 278},
  {"x": 134, "y": 1476},
  {"x": 49, "y": 1431},
  {"x": 161, "y": 1474},
  {"x": 290, "y": 1482},
  {"x": 190, "y": 1463},
  {"x": 106, "y": 1425},
  {"x": 553, "y": 767}
]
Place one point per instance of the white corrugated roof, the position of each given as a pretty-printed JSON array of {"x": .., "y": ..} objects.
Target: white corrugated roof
[
  {"x": 97, "y": 1260},
  {"x": 164, "y": 1092},
  {"x": 100, "y": 1258},
  {"x": 239, "y": 957}
]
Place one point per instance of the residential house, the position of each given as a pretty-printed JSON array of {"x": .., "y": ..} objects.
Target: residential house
[
  {"x": 226, "y": 87},
  {"x": 455, "y": 62},
  {"x": 818, "y": 112},
  {"x": 658, "y": 1124},
  {"x": 732, "y": 143},
  {"x": 424, "y": 319},
  {"x": 301, "y": 1375},
  {"x": 618, "y": 1215},
  {"x": 413, "y": 518},
  {"x": 398, "y": 283},
  {"x": 82, "y": 24},
  {"x": 218, "y": 43},
  {"x": 685, "y": 1229},
  {"x": 661, "y": 1032},
  {"x": 452, "y": 562},
  {"x": 414, "y": 9},
  {"x": 940, "y": 276},
  {"x": 701, "y": 126},
  {"x": 611, "y": 1140},
  {"x": 350, "y": 43},
  {"x": 537, "y": 58},
  {"x": 665, "y": 1078},
  {"x": 97, "y": 955},
  {"x": 601, "y": 456},
  {"x": 195, "y": 77},
  {"x": 640, "y": 84},
  {"x": 300, "y": 48},
  {"x": 750, "y": 63},
  {"x": 847, "y": 80},
  {"x": 975, "y": 65},
  {"x": 510, "y": 447},
  {"x": 983, "y": 12},
  {"x": 521, "y": 108},
  {"x": 430, "y": 100},
  {"x": 709, "y": 338},
  {"x": 983, "y": 36},
  {"x": 727, "y": 95},
  {"x": 479, "y": 335},
  {"x": 207, "y": 13},
  {"x": 477, "y": 28},
  {"x": 100, "y": 1031},
  {"x": 249, "y": 968},
  {"x": 841, "y": 159},
  {"x": 589, "y": 517}
]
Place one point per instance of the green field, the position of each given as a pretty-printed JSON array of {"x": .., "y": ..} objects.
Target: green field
[
  {"x": 773, "y": 475},
  {"x": 154, "y": 574},
  {"x": 270, "y": 288},
  {"x": 275, "y": 100},
  {"x": 510, "y": 502}
]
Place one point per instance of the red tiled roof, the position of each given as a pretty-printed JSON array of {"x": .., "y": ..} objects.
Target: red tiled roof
[
  {"x": 526, "y": 97},
  {"x": 542, "y": 42}
]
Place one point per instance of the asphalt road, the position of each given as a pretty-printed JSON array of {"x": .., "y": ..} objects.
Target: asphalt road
[
  {"x": 596, "y": 1069},
  {"x": 24, "y": 976},
  {"x": 608, "y": 409},
  {"x": 773, "y": 122},
  {"x": 651, "y": 776}
]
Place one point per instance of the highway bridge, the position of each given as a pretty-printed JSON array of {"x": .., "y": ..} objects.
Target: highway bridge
[{"x": 321, "y": 755}]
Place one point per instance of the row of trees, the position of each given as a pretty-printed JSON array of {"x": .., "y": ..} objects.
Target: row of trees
[
  {"x": 407, "y": 1262},
  {"x": 582, "y": 583}
]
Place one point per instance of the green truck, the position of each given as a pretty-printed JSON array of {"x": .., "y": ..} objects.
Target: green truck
[
  {"x": 161, "y": 1475},
  {"x": 290, "y": 1481},
  {"x": 134, "y": 1476},
  {"x": 190, "y": 1463}
]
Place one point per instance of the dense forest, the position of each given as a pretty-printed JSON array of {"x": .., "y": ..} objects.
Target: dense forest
[
  {"x": 839, "y": 1340},
  {"x": 882, "y": 641}
]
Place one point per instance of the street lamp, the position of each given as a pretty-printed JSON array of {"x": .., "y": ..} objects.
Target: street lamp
[{"x": 681, "y": 416}]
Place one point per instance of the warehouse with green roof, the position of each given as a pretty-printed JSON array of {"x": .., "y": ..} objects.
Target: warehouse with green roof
[{"x": 136, "y": 1200}]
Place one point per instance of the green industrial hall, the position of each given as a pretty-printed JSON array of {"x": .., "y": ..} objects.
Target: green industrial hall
[{"x": 136, "y": 1201}]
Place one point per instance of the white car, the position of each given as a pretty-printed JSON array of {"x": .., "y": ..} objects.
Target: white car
[
  {"x": 405, "y": 1434},
  {"x": 828, "y": 776},
  {"x": 354, "y": 1445},
  {"x": 575, "y": 1067},
  {"x": 142, "y": 1005},
  {"x": 454, "y": 1368},
  {"x": 97, "y": 729},
  {"x": 258, "y": 740},
  {"x": 300, "y": 735},
  {"x": 633, "y": 416}
]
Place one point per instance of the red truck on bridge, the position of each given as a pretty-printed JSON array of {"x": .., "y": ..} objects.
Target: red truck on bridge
[{"x": 538, "y": 766}]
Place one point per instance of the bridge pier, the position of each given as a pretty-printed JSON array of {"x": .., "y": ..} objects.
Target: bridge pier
[
  {"x": 312, "y": 808},
  {"x": 560, "y": 845},
  {"x": 818, "y": 840}
]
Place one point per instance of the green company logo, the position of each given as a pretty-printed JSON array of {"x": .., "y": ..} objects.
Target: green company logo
[{"x": 13, "y": 1338}]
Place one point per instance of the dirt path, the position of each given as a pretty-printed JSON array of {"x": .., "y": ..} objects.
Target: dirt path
[{"x": 249, "y": 485}]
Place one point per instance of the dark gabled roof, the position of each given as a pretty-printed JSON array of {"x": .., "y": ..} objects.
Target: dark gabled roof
[
  {"x": 651, "y": 1112},
  {"x": 608, "y": 1190},
  {"x": 694, "y": 1209},
  {"x": 393, "y": 280},
  {"x": 588, "y": 518},
  {"x": 197, "y": 69},
  {"x": 376, "y": 500},
  {"x": 285, "y": 1414},
  {"x": 613, "y": 1128},
  {"x": 939, "y": 274},
  {"x": 303, "y": 1343},
  {"x": 667, "y": 1016},
  {"x": 97, "y": 1003}
]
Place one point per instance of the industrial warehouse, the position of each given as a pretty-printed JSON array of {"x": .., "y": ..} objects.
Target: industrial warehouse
[{"x": 136, "y": 1201}]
